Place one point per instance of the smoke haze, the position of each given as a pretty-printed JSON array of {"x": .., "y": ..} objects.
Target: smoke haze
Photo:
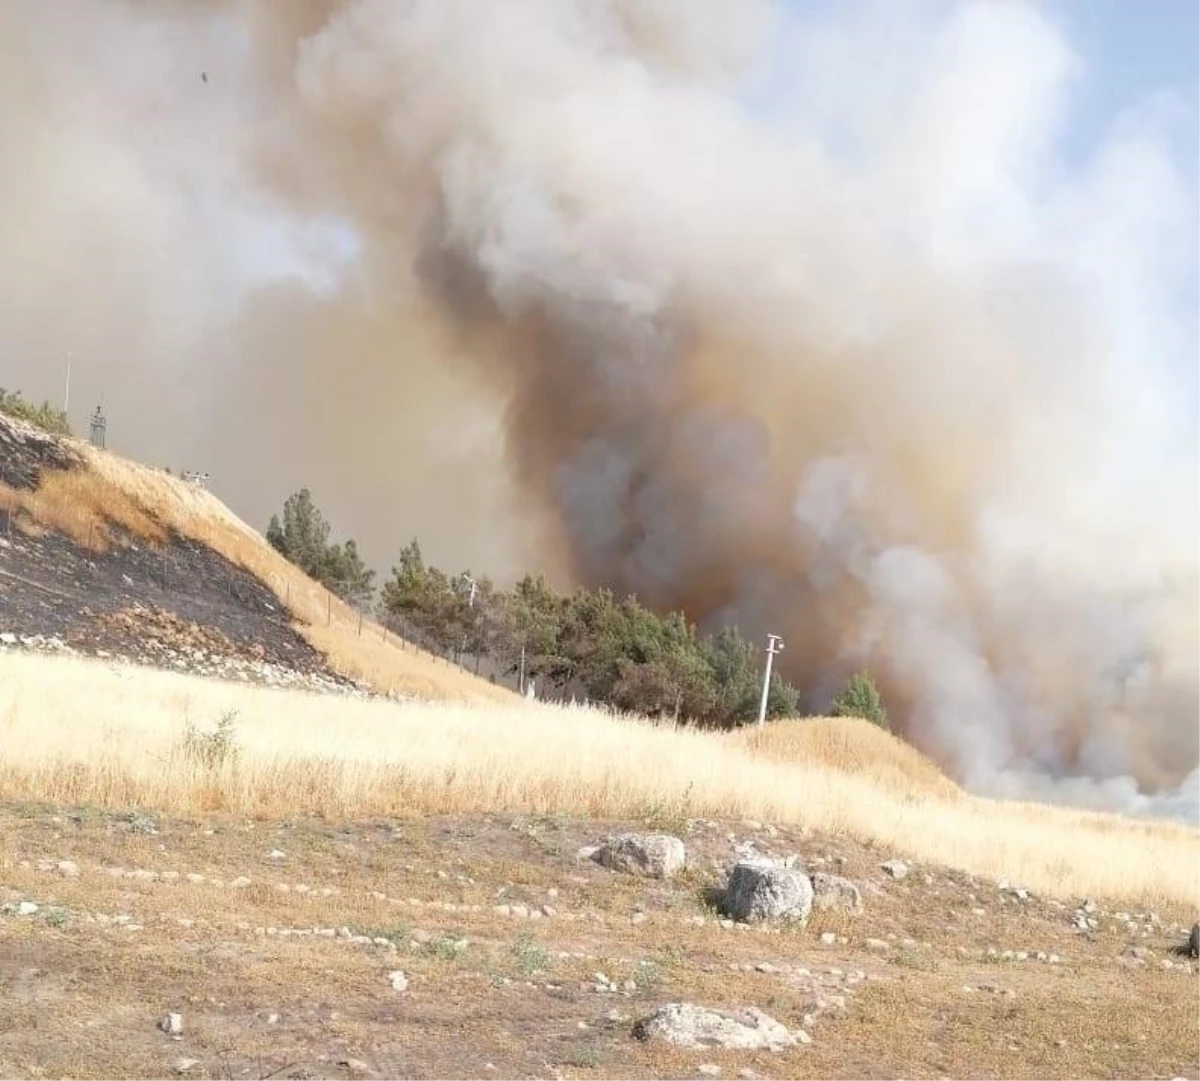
[{"x": 812, "y": 325}]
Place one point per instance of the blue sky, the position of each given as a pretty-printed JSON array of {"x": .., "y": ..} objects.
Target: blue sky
[{"x": 1133, "y": 48}]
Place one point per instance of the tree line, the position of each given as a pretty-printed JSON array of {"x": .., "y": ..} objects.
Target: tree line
[{"x": 590, "y": 644}]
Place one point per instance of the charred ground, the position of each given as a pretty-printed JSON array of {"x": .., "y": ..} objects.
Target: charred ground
[{"x": 132, "y": 597}]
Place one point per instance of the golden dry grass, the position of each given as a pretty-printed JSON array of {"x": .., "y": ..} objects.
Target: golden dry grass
[
  {"x": 83, "y": 732},
  {"x": 85, "y": 503},
  {"x": 851, "y": 746}
]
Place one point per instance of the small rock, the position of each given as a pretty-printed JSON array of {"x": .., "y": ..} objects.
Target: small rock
[
  {"x": 240, "y": 883},
  {"x": 398, "y": 980},
  {"x": 747, "y": 1074},
  {"x": 896, "y": 869},
  {"x": 26, "y": 908},
  {"x": 828, "y": 938},
  {"x": 183, "y": 1065},
  {"x": 587, "y": 852},
  {"x": 172, "y": 1024},
  {"x": 638, "y": 917},
  {"x": 655, "y": 855},
  {"x": 276, "y": 854},
  {"x": 762, "y": 890},
  {"x": 68, "y": 868},
  {"x": 683, "y": 1024},
  {"x": 802, "y": 1036},
  {"x": 834, "y": 891},
  {"x": 877, "y": 944},
  {"x": 709, "y": 1069}
]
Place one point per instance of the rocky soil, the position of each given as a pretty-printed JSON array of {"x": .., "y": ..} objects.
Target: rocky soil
[{"x": 133, "y": 945}]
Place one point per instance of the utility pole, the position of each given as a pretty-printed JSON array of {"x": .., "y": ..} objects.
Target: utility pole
[
  {"x": 67, "y": 387},
  {"x": 774, "y": 645}
]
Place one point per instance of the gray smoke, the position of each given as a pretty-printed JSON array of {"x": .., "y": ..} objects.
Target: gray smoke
[{"x": 807, "y": 324}]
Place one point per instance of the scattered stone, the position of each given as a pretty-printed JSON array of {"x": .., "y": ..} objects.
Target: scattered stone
[
  {"x": 655, "y": 855},
  {"x": 183, "y": 1065},
  {"x": 27, "y": 908},
  {"x": 877, "y": 944},
  {"x": 828, "y": 938},
  {"x": 68, "y": 868},
  {"x": 762, "y": 890},
  {"x": 171, "y": 1024},
  {"x": 896, "y": 869},
  {"x": 834, "y": 891},
  {"x": 398, "y": 980},
  {"x": 240, "y": 883},
  {"x": 747, "y": 1074},
  {"x": 1139, "y": 953},
  {"x": 683, "y": 1024},
  {"x": 276, "y": 854},
  {"x": 587, "y": 852},
  {"x": 1088, "y": 906},
  {"x": 709, "y": 1069}
]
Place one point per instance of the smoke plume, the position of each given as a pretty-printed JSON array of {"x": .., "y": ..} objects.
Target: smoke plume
[{"x": 814, "y": 326}]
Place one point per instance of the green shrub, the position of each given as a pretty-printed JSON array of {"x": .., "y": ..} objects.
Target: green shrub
[
  {"x": 43, "y": 416},
  {"x": 860, "y": 698},
  {"x": 212, "y": 750}
]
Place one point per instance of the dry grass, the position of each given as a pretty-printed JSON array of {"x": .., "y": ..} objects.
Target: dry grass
[
  {"x": 84, "y": 507},
  {"x": 79, "y": 732},
  {"x": 854, "y": 747},
  {"x": 85, "y": 503}
]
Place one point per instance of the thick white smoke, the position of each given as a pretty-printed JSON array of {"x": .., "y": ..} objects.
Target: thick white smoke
[{"x": 812, "y": 325}]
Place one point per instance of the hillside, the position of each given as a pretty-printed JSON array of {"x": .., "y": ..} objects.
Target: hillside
[{"x": 109, "y": 557}]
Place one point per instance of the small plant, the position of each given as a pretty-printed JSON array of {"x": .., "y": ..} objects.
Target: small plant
[
  {"x": 585, "y": 1057},
  {"x": 58, "y": 917},
  {"x": 672, "y": 816},
  {"x": 450, "y": 949},
  {"x": 212, "y": 750},
  {"x": 647, "y": 975},
  {"x": 531, "y": 957},
  {"x": 396, "y": 934},
  {"x": 860, "y": 698}
]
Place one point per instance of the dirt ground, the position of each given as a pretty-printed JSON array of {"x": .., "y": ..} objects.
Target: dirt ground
[{"x": 276, "y": 943}]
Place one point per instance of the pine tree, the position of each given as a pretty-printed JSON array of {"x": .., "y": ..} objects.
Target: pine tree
[{"x": 860, "y": 698}]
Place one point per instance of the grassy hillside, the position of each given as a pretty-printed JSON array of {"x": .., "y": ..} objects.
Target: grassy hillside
[
  {"x": 82, "y": 732},
  {"x": 105, "y": 501}
]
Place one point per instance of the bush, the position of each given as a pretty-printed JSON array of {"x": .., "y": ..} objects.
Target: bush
[
  {"x": 860, "y": 698},
  {"x": 43, "y": 416},
  {"x": 212, "y": 750}
]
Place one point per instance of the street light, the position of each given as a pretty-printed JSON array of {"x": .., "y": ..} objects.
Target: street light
[{"x": 774, "y": 645}]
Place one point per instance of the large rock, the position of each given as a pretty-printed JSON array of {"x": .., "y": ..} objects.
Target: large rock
[
  {"x": 696, "y": 1028},
  {"x": 834, "y": 891},
  {"x": 655, "y": 855},
  {"x": 765, "y": 890}
]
